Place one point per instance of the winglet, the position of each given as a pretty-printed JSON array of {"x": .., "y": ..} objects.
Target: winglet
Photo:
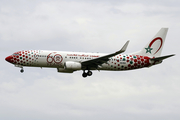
[{"x": 123, "y": 49}]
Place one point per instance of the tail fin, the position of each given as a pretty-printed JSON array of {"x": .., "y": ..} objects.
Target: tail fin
[{"x": 155, "y": 46}]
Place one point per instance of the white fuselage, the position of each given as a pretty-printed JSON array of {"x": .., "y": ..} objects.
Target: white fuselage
[{"x": 57, "y": 59}]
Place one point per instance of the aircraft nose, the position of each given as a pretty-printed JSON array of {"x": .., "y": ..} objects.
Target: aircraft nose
[{"x": 9, "y": 58}]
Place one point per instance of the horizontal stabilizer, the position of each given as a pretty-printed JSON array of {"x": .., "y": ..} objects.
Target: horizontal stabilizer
[{"x": 161, "y": 58}]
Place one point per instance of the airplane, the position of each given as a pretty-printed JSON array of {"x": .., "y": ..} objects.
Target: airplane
[{"x": 69, "y": 62}]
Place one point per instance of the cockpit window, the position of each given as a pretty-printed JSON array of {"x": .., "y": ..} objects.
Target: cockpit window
[{"x": 16, "y": 54}]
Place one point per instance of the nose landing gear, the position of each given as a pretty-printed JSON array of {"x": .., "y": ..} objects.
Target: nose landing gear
[
  {"x": 89, "y": 73},
  {"x": 22, "y": 70}
]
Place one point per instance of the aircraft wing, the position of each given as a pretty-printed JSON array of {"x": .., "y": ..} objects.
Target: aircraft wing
[{"x": 95, "y": 63}]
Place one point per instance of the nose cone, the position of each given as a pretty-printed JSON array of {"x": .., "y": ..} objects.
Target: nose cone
[{"x": 9, "y": 59}]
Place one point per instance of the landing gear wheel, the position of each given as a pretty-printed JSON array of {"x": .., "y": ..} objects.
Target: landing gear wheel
[
  {"x": 84, "y": 74},
  {"x": 21, "y": 70},
  {"x": 89, "y": 73}
]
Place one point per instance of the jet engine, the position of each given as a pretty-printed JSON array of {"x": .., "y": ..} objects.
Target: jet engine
[
  {"x": 64, "y": 71},
  {"x": 70, "y": 65}
]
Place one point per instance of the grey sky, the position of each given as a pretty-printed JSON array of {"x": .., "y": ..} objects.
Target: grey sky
[{"x": 89, "y": 26}]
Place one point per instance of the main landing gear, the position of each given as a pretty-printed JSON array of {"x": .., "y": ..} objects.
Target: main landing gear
[{"x": 89, "y": 73}]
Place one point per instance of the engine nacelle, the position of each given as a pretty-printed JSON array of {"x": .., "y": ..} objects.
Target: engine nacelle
[
  {"x": 70, "y": 65},
  {"x": 64, "y": 71}
]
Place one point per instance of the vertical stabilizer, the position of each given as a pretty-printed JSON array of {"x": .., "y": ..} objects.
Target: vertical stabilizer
[{"x": 155, "y": 46}]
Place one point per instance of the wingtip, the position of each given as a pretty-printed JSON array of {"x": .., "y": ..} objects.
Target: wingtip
[
  {"x": 123, "y": 49},
  {"x": 125, "y": 46}
]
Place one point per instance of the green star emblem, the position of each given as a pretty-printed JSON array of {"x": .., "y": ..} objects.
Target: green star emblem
[{"x": 148, "y": 49}]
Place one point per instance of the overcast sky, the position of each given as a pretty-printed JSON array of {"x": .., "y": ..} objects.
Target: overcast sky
[{"x": 89, "y": 26}]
